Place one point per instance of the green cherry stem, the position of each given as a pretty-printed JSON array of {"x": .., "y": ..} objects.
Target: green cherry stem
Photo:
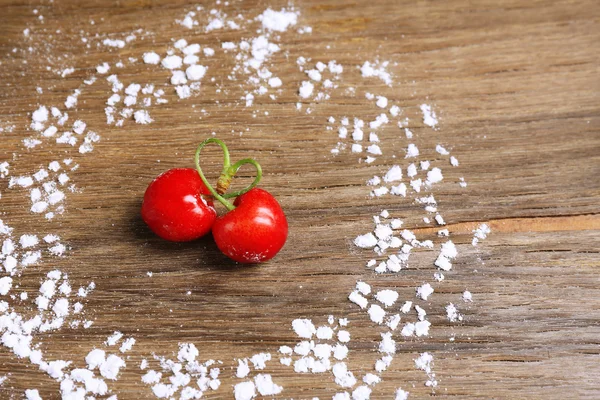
[
  {"x": 235, "y": 167},
  {"x": 226, "y": 169}
]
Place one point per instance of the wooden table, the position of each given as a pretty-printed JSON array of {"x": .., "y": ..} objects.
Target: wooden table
[{"x": 516, "y": 88}]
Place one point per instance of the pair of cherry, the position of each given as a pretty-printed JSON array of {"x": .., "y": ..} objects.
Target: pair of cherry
[{"x": 178, "y": 206}]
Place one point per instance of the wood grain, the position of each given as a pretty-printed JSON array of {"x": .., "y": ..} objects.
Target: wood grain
[{"x": 516, "y": 87}]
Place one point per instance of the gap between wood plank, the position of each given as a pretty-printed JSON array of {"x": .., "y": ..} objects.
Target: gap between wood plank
[{"x": 533, "y": 224}]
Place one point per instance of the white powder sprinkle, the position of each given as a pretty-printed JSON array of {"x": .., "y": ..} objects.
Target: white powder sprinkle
[
  {"x": 244, "y": 391},
  {"x": 252, "y": 57},
  {"x": 151, "y": 377},
  {"x": 183, "y": 91},
  {"x": 40, "y": 115},
  {"x": 151, "y": 58},
  {"x": 277, "y": 20},
  {"x": 27, "y": 241},
  {"x": 61, "y": 308},
  {"x": 452, "y": 313},
  {"x": 187, "y": 352},
  {"x": 341, "y": 396},
  {"x": 114, "y": 338},
  {"x": 343, "y": 377},
  {"x": 95, "y": 358},
  {"x": 304, "y": 328},
  {"x": 314, "y": 75},
  {"x": 356, "y": 148},
  {"x": 32, "y": 394},
  {"x": 72, "y": 99},
  {"x": 394, "y": 174},
  {"x": 401, "y": 394},
  {"x": 440, "y": 220},
  {"x": 387, "y": 297},
  {"x": 275, "y": 82},
  {"x": 379, "y": 121},
  {"x": 361, "y": 393},
  {"x": 382, "y": 102},
  {"x": 127, "y": 345},
  {"x": 172, "y": 62},
  {"x": 340, "y": 351},
  {"x": 103, "y": 68},
  {"x": 440, "y": 149},
  {"x": 358, "y": 299},
  {"x": 480, "y": 233},
  {"x": 412, "y": 151},
  {"x": 387, "y": 344},
  {"x": 429, "y": 117},
  {"x": 5, "y": 285},
  {"x": 110, "y": 368},
  {"x": 306, "y": 89},
  {"x": 376, "y": 70},
  {"x": 344, "y": 336},
  {"x": 399, "y": 190},
  {"x": 195, "y": 72},
  {"x": 422, "y": 328},
  {"x": 242, "y": 369},
  {"x": 371, "y": 379},
  {"x": 467, "y": 296},
  {"x": 424, "y": 291},
  {"x": 266, "y": 386},
  {"x": 424, "y": 362},
  {"x": 447, "y": 253},
  {"x": 434, "y": 176},
  {"x": 118, "y": 43},
  {"x": 374, "y": 149},
  {"x": 324, "y": 332},
  {"x": 366, "y": 241},
  {"x": 191, "y": 49},
  {"x": 393, "y": 322},
  {"x": 50, "y": 131},
  {"x": 142, "y": 117},
  {"x": 177, "y": 78},
  {"x": 363, "y": 287},
  {"x": 376, "y": 313}
]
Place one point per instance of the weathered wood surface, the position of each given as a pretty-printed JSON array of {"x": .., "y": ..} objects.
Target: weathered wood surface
[{"x": 516, "y": 86}]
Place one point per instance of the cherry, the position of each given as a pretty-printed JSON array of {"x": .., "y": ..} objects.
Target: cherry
[
  {"x": 255, "y": 227},
  {"x": 174, "y": 206},
  {"x": 254, "y": 231}
]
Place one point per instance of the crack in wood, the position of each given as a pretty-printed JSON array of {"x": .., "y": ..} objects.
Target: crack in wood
[{"x": 580, "y": 222}]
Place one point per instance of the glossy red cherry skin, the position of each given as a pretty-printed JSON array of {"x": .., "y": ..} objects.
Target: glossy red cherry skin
[
  {"x": 174, "y": 208},
  {"x": 255, "y": 231}
]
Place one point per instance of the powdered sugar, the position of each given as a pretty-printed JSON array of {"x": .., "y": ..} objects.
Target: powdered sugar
[
  {"x": 303, "y": 328},
  {"x": 376, "y": 69},
  {"x": 424, "y": 291},
  {"x": 392, "y": 246},
  {"x": 480, "y": 233},
  {"x": 429, "y": 117},
  {"x": 306, "y": 89},
  {"x": 278, "y": 21}
]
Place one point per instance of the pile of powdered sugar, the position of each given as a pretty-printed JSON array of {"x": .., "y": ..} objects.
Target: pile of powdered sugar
[{"x": 323, "y": 345}]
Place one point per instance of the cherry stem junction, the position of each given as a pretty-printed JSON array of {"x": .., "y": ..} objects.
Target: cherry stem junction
[
  {"x": 227, "y": 174},
  {"x": 235, "y": 167}
]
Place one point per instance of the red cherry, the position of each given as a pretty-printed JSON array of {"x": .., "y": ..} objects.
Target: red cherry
[
  {"x": 174, "y": 208},
  {"x": 254, "y": 231}
]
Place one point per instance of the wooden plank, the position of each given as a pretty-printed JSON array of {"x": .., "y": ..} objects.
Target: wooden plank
[{"x": 516, "y": 89}]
